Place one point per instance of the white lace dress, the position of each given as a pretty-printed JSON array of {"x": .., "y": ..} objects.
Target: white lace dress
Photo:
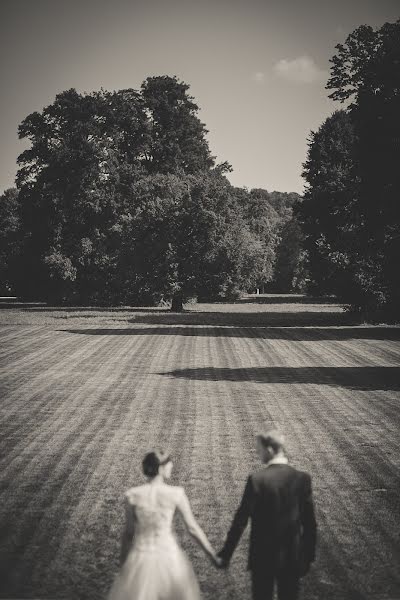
[{"x": 156, "y": 568}]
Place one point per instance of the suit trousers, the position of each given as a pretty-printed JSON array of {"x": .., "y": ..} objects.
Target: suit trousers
[{"x": 263, "y": 582}]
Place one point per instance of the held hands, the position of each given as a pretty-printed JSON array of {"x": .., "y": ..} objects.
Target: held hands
[{"x": 219, "y": 562}]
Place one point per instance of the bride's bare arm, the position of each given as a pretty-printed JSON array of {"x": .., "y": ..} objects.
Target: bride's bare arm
[
  {"x": 193, "y": 527},
  {"x": 128, "y": 531}
]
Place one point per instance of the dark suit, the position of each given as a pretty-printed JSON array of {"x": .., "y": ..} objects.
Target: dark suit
[{"x": 278, "y": 500}]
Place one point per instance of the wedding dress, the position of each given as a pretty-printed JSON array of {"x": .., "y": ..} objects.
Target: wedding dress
[{"x": 156, "y": 568}]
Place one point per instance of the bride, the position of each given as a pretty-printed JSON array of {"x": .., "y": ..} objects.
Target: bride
[{"x": 154, "y": 567}]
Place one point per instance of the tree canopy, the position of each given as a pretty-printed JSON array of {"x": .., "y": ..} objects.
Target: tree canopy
[
  {"x": 177, "y": 136},
  {"x": 121, "y": 201},
  {"x": 351, "y": 212},
  {"x": 328, "y": 212}
]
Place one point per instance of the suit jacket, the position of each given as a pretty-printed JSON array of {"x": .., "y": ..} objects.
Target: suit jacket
[{"x": 278, "y": 500}]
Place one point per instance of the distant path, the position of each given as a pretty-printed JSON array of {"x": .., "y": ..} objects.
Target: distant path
[{"x": 85, "y": 393}]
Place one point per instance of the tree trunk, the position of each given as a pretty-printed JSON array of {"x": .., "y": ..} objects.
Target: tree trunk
[{"x": 177, "y": 303}]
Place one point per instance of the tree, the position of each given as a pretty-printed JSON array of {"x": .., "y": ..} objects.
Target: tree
[
  {"x": 185, "y": 237},
  {"x": 270, "y": 216},
  {"x": 76, "y": 181},
  {"x": 328, "y": 213},
  {"x": 366, "y": 72},
  {"x": 263, "y": 223},
  {"x": 121, "y": 202},
  {"x": 9, "y": 239}
]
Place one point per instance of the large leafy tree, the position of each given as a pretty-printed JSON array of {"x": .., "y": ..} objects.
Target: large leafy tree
[
  {"x": 186, "y": 236},
  {"x": 328, "y": 213},
  {"x": 121, "y": 201},
  {"x": 351, "y": 211},
  {"x": 366, "y": 73}
]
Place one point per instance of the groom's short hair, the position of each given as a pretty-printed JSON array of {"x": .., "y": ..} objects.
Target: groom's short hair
[{"x": 272, "y": 439}]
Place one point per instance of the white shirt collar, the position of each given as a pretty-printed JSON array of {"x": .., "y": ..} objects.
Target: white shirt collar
[{"x": 278, "y": 460}]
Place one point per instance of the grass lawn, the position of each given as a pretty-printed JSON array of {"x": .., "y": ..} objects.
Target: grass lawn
[{"x": 85, "y": 393}]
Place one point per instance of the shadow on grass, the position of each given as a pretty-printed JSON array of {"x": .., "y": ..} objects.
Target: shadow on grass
[
  {"x": 74, "y": 309},
  {"x": 267, "y": 333},
  {"x": 248, "y": 319},
  {"x": 357, "y": 378}
]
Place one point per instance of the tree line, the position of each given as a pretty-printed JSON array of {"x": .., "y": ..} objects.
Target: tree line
[
  {"x": 350, "y": 215},
  {"x": 119, "y": 201}
]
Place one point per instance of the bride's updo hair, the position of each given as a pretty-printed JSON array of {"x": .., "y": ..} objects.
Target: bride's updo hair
[{"x": 152, "y": 462}]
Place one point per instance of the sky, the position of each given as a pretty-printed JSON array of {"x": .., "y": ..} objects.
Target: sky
[{"x": 257, "y": 68}]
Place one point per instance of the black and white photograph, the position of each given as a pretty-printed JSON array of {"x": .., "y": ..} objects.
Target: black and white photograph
[{"x": 200, "y": 300}]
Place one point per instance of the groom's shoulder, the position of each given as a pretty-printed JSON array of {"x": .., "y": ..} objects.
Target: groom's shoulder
[
  {"x": 265, "y": 473},
  {"x": 257, "y": 473},
  {"x": 306, "y": 478},
  {"x": 301, "y": 475}
]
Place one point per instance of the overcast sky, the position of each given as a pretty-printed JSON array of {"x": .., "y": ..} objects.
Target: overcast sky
[{"x": 257, "y": 68}]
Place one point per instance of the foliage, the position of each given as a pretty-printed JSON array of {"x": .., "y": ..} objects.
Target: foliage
[
  {"x": 271, "y": 216},
  {"x": 366, "y": 64},
  {"x": 263, "y": 223},
  {"x": 177, "y": 136},
  {"x": 289, "y": 272},
  {"x": 187, "y": 236},
  {"x": 327, "y": 213},
  {"x": 86, "y": 151},
  {"x": 122, "y": 202},
  {"x": 351, "y": 213},
  {"x": 9, "y": 239}
]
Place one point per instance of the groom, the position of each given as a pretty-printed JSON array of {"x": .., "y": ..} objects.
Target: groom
[{"x": 278, "y": 500}]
